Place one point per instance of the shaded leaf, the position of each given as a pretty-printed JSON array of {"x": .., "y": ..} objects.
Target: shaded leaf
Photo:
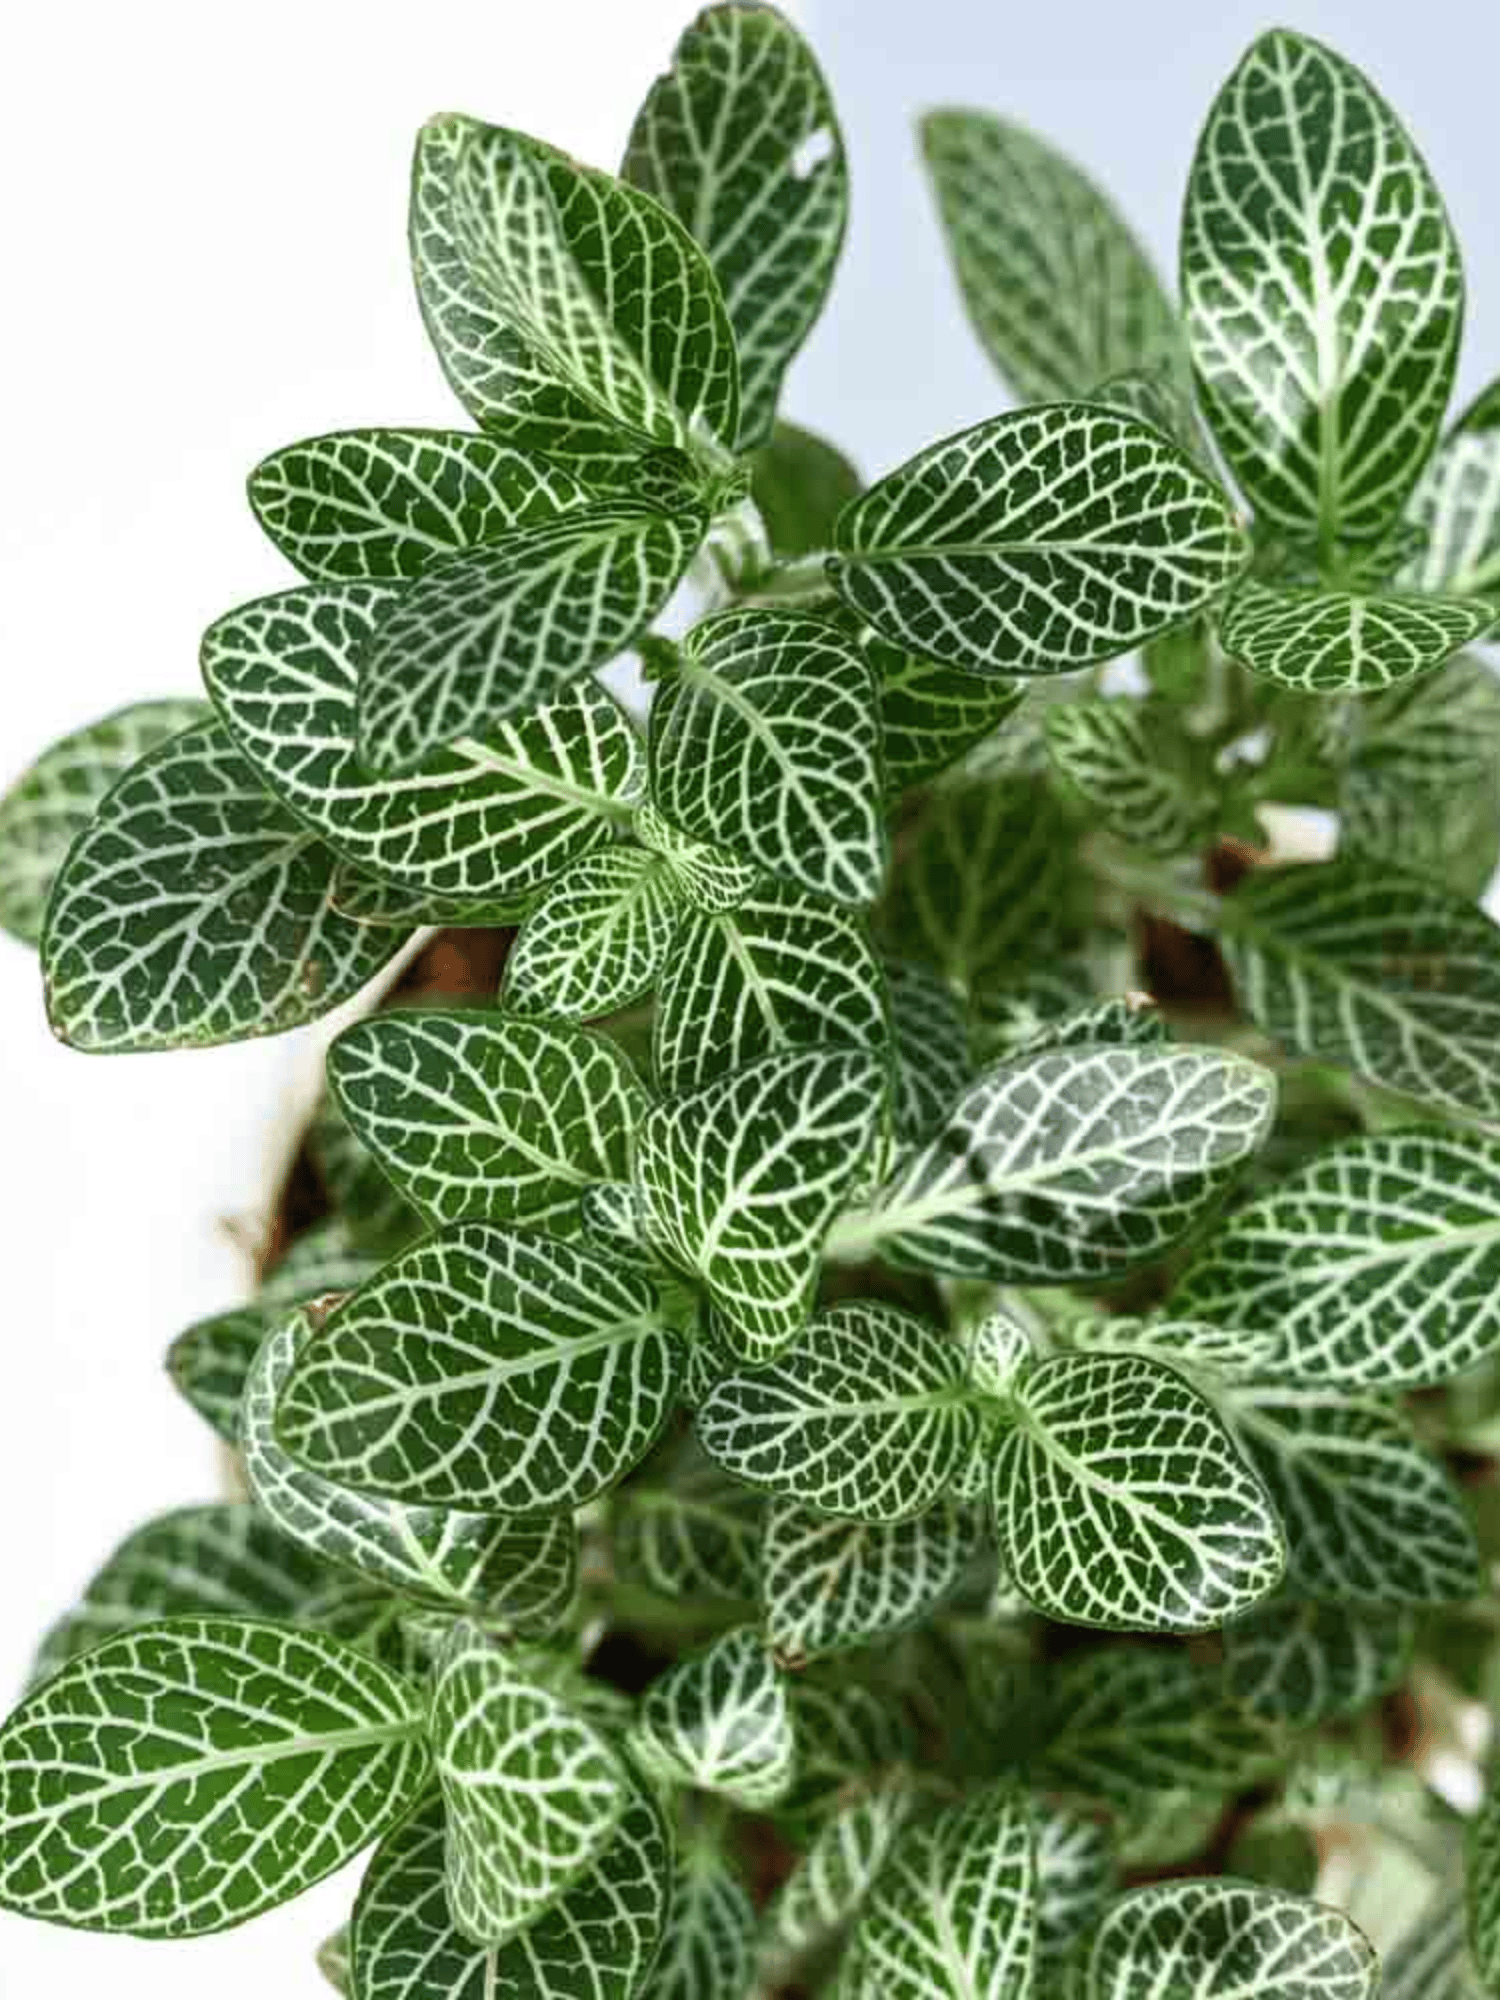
[
  {"x": 1307, "y": 1663},
  {"x": 1456, "y": 505},
  {"x": 800, "y": 483},
  {"x": 1136, "y": 769},
  {"x": 931, "y": 715},
  {"x": 828, "y": 1585},
  {"x": 720, "y": 1720},
  {"x": 709, "y": 1949},
  {"x": 930, "y": 1039}
]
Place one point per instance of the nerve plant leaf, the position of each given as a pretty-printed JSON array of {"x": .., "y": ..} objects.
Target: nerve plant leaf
[
  {"x": 695, "y": 1536},
  {"x": 765, "y": 739},
  {"x": 1057, "y": 288},
  {"x": 843, "y": 1859},
  {"x": 930, "y": 1042},
  {"x": 739, "y": 141},
  {"x": 1037, "y": 543},
  {"x": 1338, "y": 642},
  {"x": 801, "y": 484},
  {"x": 479, "y": 1118},
  {"x": 597, "y": 940},
  {"x": 1307, "y": 1663},
  {"x": 1209, "y": 1940},
  {"x": 1482, "y": 1888},
  {"x": 1121, "y": 1500},
  {"x": 533, "y": 1792},
  {"x": 828, "y": 1585},
  {"x": 740, "y": 1180},
  {"x": 1456, "y": 504},
  {"x": 708, "y": 1952},
  {"x": 210, "y": 1360},
  {"x": 50, "y": 804},
  {"x": 712, "y": 879},
  {"x": 194, "y": 909},
  {"x": 485, "y": 1367},
  {"x": 1322, "y": 289},
  {"x": 930, "y": 715},
  {"x": 1137, "y": 769},
  {"x": 187, "y": 1775},
  {"x": 720, "y": 1720},
  {"x": 867, "y": 1417},
  {"x": 1075, "y": 1874}
]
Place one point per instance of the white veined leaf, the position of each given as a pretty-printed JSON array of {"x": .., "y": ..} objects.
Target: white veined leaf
[
  {"x": 720, "y": 1720},
  {"x": 867, "y": 1417},
  {"x": 739, "y": 141},
  {"x": 1452, "y": 837},
  {"x": 594, "y": 1943},
  {"x": 1430, "y": 1959},
  {"x": 486, "y": 1367},
  {"x": 328, "y": 1257},
  {"x": 1037, "y": 543},
  {"x": 1197, "y": 1348},
  {"x": 931, "y": 715},
  {"x": 1325, "y": 642},
  {"x": 209, "y": 1361},
  {"x": 1066, "y": 1166},
  {"x": 1217, "y": 1940},
  {"x": 930, "y": 1042},
  {"x": 848, "y": 1735},
  {"x": 597, "y": 940},
  {"x": 52, "y": 802},
  {"x": 520, "y": 1571},
  {"x": 1158, "y": 394},
  {"x": 333, "y": 1961},
  {"x": 1322, "y": 290},
  {"x": 374, "y": 1213},
  {"x": 1375, "y": 1264},
  {"x": 187, "y": 1775},
  {"x": 765, "y": 739},
  {"x": 783, "y": 970},
  {"x": 1428, "y": 735},
  {"x": 1121, "y": 1500},
  {"x": 998, "y": 1350},
  {"x": 1137, "y": 769},
  {"x": 605, "y": 287},
  {"x": 1456, "y": 505},
  {"x": 194, "y": 909},
  {"x": 711, "y": 878},
  {"x": 533, "y": 1792},
  {"x": 1307, "y": 1663},
  {"x": 1057, "y": 288},
  {"x": 1075, "y": 1875},
  {"x": 827, "y": 1585},
  {"x": 610, "y": 1217},
  {"x": 1370, "y": 1516},
  {"x": 486, "y": 636},
  {"x": 1123, "y": 1020},
  {"x": 953, "y": 1913},
  {"x": 1482, "y": 1889},
  {"x": 1363, "y": 963},
  {"x": 741, "y": 1179},
  {"x": 479, "y": 1117},
  {"x": 843, "y": 1860},
  {"x": 374, "y": 504},
  {"x": 695, "y": 1536},
  {"x": 708, "y": 1952}
]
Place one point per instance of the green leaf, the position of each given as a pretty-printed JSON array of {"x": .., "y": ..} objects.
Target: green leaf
[
  {"x": 1430, "y": 1960},
  {"x": 50, "y": 804},
  {"x": 867, "y": 1417},
  {"x": 801, "y": 484},
  {"x": 843, "y": 1860},
  {"x": 1322, "y": 290},
  {"x": 522, "y": 1572},
  {"x": 741, "y": 1179},
  {"x": 325, "y": 1258},
  {"x": 1037, "y": 543},
  {"x": 187, "y": 1775},
  {"x": 594, "y": 1943},
  {"x": 828, "y": 1585},
  {"x": 1158, "y": 395},
  {"x": 1069, "y": 1165},
  {"x": 1075, "y": 1874},
  {"x": 1370, "y": 1515},
  {"x": 1375, "y": 1264},
  {"x": 476, "y": 1117},
  {"x": 1057, "y": 288},
  {"x": 598, "y": 939},
  {"x": 781, "y": 971},
  {"x": 711, "y": 878},
  {"x": 765, "y": 739},
  {"x": 739, "y": 141},
  {"x": 489, "y": 1368},
  {"x": 193, "y": 909},
  {"x": 1482, "y": 1889},
  {"x": 709, "y": 1949},
  {"x": 696, "y": 1537},
  {"x": 1196, "y": 1348},
  {"x": 1456, "y": 506},
  {"x": 369, "y": 1211},
  {"x": 1364, "y": 964},
  {"x": 533, "y": 1793},
  {"x": 953, "y": 1912},
  {"x": 1307, "y": 1663},
  {"x": 1214, "y": 1940},
  {"x": 930, "y": 1039},
  {"x": 1120, "y": 1500},
  {"x": 930, "y": 715},
  {"x": 333, "y": 1961},
  {"x": 1342, "y": 642},
  {"x": 720, "y": 1720},
  {"x": 1138, "y": 772},
  {"x": 1430, "y": 734},
  {"x": 209, "y": 1360},
  {"x": 374, "y": 504},
  {"x": 847, "y": 1736},
  {"x": 1452, "y": 837}
]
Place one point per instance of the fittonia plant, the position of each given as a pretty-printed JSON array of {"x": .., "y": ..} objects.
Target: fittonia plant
[{"x": 891, "y": 1415}]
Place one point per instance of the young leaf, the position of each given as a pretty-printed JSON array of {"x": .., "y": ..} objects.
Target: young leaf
[
  {"x": 488, "y": 1368},
  {"x": 739, "y": 141},
  {"x": 720, "y": 1720},
  {"x": 1361, "y": 963},
  {"x": 1456, "y": 505},
  {"x": 1375, "y": 1264},
  {"x": 829, "y": 1585},
  {"x": 711, "y": 878},
  {"x": 781, "y": 971},
  {"x": 520, "y": 1571},
  {"x": 867, "y": 1417},
  {"x": 187, "y": 1775},
  {"x": 1057, "y": 288},
  {"x": 1322, "y": 289},
  {"x": 930, "y": 1041},
  {"x": 1199, "y": 1350},
  {"x": 598, "y": 939},
  {"x": 333, "y": 1962},
  {"x": 1210, "y": 1940},
  {"x": 476, "y": 1117},
  {"x": 1307, "y": 1663},
  {"x": 1066, "y": 1166},
  {"x": 801, "y": 484},
  {"x": 1325, "y": 642},
  {"x": 1121, "y": 1500},
  {"x": 1136, "y": 769},
  {"x": 194, "y": 909},
  {"x": 1037, "y": 543},
  {"x": 741, "y": 1179},
  {"x": 765, "y": 739},
  {"x": 709, "y": 1949},
  {"x": 930, "y": 715},
  {"x": 50, "y": 804},
  {"x": 533, "y": 1792}
]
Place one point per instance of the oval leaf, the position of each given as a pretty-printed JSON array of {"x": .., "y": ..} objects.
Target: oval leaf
[
  {"x": 828, "y": 1585},
  {"x": 1307, "y": 1663},
  {"x": 598, "y": 939},
  {"x": 721, "y": 1721},
  {"x": 1338, "y": 642}
]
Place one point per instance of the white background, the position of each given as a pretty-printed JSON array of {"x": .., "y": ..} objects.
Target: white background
[{"x": 202, "y": 222}]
